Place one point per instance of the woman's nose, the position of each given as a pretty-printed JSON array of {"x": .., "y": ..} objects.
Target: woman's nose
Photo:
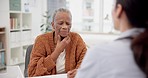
[{"x": 64, "y": 26}]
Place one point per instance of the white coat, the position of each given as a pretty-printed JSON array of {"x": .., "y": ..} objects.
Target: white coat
[{"x": 113, "y": 60}]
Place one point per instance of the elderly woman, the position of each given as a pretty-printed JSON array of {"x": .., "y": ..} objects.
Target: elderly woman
[{"x": 60, "y": 51}]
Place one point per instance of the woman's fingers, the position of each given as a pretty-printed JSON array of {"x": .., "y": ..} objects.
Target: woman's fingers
[
  {"x": 72, "y": 73},
  {"x": 59, "y": 39},
  {"x": 66, "y": 40}
]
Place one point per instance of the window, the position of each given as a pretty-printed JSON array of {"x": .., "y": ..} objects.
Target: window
[
  {"x": 108, "y": 26},
  {"x": 88, "y": 14},
  {"x": 88, "y": 9},
  {"x": 91, "y": 15}
]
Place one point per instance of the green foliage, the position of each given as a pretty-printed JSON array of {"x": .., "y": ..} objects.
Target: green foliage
[{"x": 46, "y": 26}]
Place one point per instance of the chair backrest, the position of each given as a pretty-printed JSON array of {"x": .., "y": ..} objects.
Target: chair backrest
[{"x": 27, "y": 59}]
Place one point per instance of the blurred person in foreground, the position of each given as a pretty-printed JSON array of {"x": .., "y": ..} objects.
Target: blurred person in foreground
[
  {"x": 57, "y": 52},
  {"x": 127, "y": 56}
]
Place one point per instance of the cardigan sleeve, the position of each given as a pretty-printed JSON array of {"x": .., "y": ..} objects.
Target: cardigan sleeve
[
  {"x": 81, "y": 50},
  {"x": 40, "y": 64}
]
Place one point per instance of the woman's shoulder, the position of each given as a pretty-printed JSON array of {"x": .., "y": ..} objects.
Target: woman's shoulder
[
  {"x": 75, "y": 35},
  {"x": 111, "y": 49},
  {"x": 44, "y": 36}
]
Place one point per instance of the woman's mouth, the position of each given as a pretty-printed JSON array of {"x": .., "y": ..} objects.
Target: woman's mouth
[{"x": 64, "y": 33}]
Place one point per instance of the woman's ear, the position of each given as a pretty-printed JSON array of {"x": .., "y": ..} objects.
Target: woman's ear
[
  {"x": 52, "y": 23},
  {"x": 119, "y": 10}
]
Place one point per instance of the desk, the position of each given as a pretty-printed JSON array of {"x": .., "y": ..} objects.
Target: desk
[
  {"x": 12, "y": 72},
  {"x": 52, "y": 76}
]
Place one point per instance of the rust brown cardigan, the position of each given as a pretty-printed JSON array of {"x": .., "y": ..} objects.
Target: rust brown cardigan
[{"x": 41, "y": 62}]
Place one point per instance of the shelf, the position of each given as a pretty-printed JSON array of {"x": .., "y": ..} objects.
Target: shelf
[
  {"x": 15, "y": 30},
  {"x": 16, "y": 56},
  {"x": 26, "y": 12},
  {"x": 2, "y": 50},
  {"x": 14, "y": 45},
  {"x": 26, "y": 20},
  {"x": 15, "y": 63},
  {"x": 15, "y": 11},
  {"x": 19, "y": 31},
  {"x": 24, "y": 43},
  {"x": 2, "y": 27},
  {"x": 2, "y": 32},
  {"x": 2, "y": 67},
  {"x": 26, "y": 29}
]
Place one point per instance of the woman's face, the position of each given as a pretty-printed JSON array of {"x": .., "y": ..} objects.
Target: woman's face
[{"x": 62, "y": 23}]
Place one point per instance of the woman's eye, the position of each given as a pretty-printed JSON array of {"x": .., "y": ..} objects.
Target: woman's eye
[
  {"x": 60, "y": 23},
  {"x": 68, "y": 23}
]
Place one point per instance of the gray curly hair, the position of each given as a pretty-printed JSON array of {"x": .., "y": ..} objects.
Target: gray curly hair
[{"x": 60, "y": 10}]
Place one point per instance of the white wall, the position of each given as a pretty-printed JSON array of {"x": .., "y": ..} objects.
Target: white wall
[
  {"x": 37, "y": 11},
  {"x": 75, "y": 7},
  {"x": 4, "y": 16}
]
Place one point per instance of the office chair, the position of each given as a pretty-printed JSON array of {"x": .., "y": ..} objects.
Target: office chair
[{"x": 27, "y": 59}]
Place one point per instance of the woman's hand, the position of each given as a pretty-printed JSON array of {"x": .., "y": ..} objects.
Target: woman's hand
[
  {"x": 61, "y": 45},
  {"x": 72, "y": 73}
]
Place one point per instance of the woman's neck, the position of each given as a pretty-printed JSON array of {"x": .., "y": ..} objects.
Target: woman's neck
[{"x": 124, "y": 26}]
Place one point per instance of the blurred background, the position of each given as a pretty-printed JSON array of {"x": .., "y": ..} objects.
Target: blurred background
[{"x": 21, "y": 21}]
